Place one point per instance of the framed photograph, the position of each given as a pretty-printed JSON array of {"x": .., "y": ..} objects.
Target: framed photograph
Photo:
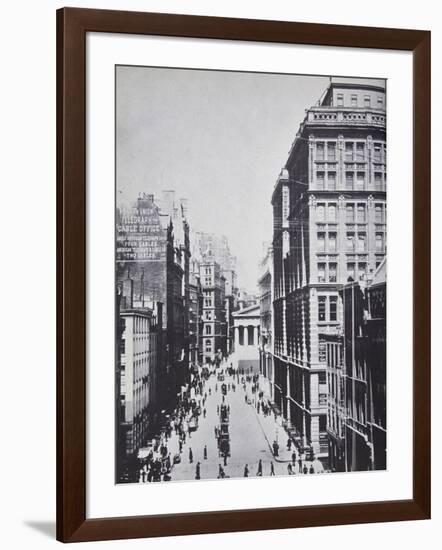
[{"x": 227, "y": 193}]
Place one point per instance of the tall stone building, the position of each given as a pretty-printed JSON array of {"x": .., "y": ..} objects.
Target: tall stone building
[
  {"x": 214, "y": 335},
  {"x": 329, "y": 214},
  {"x": 139, "y": 355},
  {"x": 153, "y": 250},
  {"x": 195, "y": 311},
  {"x": 265, "y": 288},
  {"x": 356, "y": 365},
  {"x": 217, "y": 247}
]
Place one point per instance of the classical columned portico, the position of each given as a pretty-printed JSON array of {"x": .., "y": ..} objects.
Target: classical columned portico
[{"x": 246, "y": 337}]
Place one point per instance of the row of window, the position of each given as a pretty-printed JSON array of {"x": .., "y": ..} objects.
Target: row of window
[
  {"x": 354, "y": 212},
  {"x": 328, "y": 271},
  {"x": 354, "y": 151},
  {"x": 358, "y": 101},
  {"x": 327, "y": 308},
  {"x": 355, "y": 241},
  {"x": 354, "y": 181}
]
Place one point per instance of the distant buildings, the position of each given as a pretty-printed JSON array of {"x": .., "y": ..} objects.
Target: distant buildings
[
  {"x": 246, "y": 298},
  {"x": 175, "y": 304},
  {"x": 218, "y": 248},
  {"x": 265, "y": 310},
  {"x": 329, "y": 214},
  {"x": 214, "y": 334},
  {"x": 195, "y": 313}
]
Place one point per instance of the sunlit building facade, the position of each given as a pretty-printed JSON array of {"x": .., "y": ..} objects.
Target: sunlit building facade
[{"x": 329, "y": 214}]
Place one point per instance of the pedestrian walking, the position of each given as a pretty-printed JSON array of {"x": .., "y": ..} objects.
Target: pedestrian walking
[
  {"x": 180, "y": 443},
  {"x": 225, "y": 459},
  {"x": 190, "y": 455},
  {"x": 289, "y": 444},
  {"x": 259, "y": 472},
  {"x": 198, "y": 471},
  {"x": 275, "y": 448},
  {"x": 246, "y": 471},
  {"x": 204, "y": 412},
  {"x": 221, "y": 473},
  {"x": 272, "y": 469},
  {"x": 205, "y": 452},
  {"x": 290, "y": 469},
  {"x": 300, "y": 465},
  {"x": 143, "y": 475},
  {"x": 294, "y": 457}
]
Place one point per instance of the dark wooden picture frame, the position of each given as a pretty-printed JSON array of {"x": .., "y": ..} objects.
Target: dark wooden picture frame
[{"x": 72, "y": 26}]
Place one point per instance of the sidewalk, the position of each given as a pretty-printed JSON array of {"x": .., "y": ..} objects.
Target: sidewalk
[{"x": 273, "y": 430}]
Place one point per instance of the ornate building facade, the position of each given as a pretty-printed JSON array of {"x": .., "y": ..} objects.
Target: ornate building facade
[
  {"x": 153, "y": 251},
  {"x": 329, "y": 214},
  {"x": 214, "y": 334}
]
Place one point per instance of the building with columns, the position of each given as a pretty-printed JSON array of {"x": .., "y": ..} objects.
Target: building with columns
[
  {"x": 246, "y": 323},
  {"x": 329, "y": 213}
]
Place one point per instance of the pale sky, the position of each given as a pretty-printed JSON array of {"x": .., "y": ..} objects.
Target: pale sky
[{"x": 217, "y": 138}]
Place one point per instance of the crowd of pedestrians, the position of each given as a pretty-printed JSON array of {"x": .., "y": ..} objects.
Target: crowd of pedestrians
[{"x": 167, "y": 450}]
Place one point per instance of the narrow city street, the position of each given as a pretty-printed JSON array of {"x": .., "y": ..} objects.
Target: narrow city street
[
  {"x": 253, "y": 431},
  {"x": 248, "y": 443}
]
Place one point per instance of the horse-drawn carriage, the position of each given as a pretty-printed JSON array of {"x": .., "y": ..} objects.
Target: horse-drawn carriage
[
  {"x": 224, "y": 413},
  {"x": 224, "y": 439},
  {"x": 193, "y": 424}
]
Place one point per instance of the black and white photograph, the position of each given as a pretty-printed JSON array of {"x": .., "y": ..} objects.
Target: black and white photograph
[{"x": 250, "y": 274}]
